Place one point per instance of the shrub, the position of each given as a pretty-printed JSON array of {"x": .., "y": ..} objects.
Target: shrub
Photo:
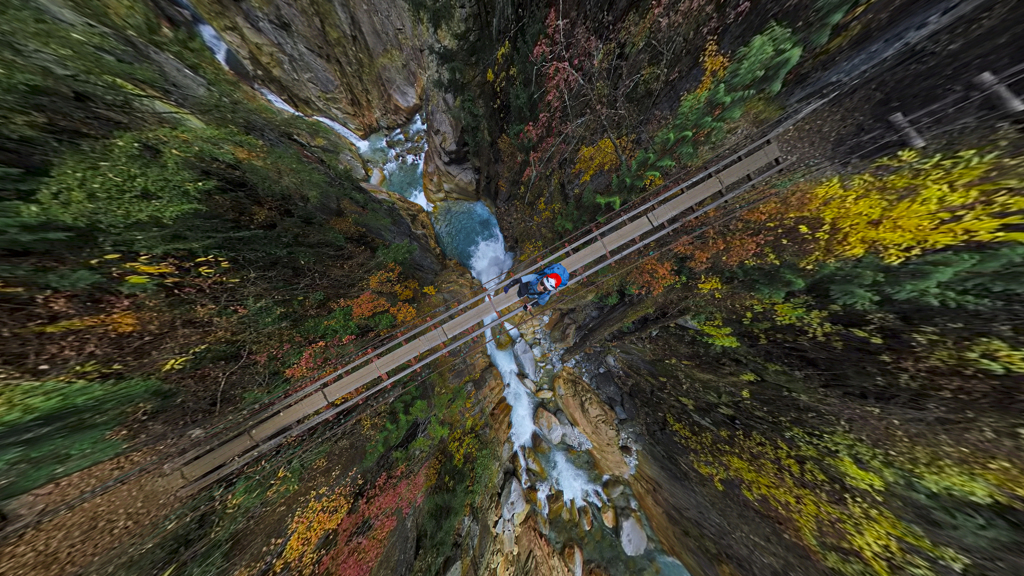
[
  {"x": 337, "y": 324},
  {"x": 120, "y": 183},
  {"x": 365, "y": 531},
  {"x": 20, "y": 230},
  {"x": 908, "y": 205},
  {"x": 396, "y": 253},
  {"x": 381, "y": 321}
]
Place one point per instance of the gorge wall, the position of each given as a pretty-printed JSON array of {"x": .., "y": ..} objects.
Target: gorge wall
[
  {"x": 356, "y": 61},
  {"x": 362, "y": 63}
]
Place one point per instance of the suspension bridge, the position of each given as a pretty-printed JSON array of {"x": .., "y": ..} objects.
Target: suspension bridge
[
  {"x": 628, "y": 231},
  {"x": 351, "y": 384}
]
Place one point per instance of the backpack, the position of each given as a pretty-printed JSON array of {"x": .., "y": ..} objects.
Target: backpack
[{"x": 556, "y": 269}]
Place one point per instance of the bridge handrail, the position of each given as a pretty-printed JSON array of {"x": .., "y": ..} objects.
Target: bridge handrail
[
  {"x": 369, "y": 354},
  {"x": 435, "y": 322}
]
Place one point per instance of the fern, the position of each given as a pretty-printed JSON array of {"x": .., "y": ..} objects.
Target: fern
[{"x": 615, "y": 201}]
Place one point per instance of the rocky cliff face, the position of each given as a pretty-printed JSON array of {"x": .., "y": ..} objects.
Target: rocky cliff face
[
  {"x": 447, "y": 171},
  {"x": 357, "y": 61},
  {"x": 420, "y": 231}
]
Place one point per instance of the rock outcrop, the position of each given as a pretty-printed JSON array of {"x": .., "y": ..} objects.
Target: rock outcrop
[
  {"x": 548, "y": 425},
  {"x": 412, "y": 213},
  {"x": 594, "y": 418},
  {"x": 358, "y": 62},
  {"x": 448, "y": 173},
  {"x": 632, "y": 536},
  {"x": 393, "y": 219}
]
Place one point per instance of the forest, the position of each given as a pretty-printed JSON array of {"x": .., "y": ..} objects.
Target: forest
[{"x": 821, "y": 375}]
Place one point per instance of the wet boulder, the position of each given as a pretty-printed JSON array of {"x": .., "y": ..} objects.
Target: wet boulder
[
  {"x": 586, "y": 518},
  {"x": 539, "y": 443},
  {"x": 533, "y": 464},
  {"x": 525, "y": 360},
  {"x": 556, "y": 504},
  {"x": 608, "y": 515},
  {"x": 513, "y": 502},
  {"x": 632, "y": 536},
  {"x": 548, "y": 425},
  {"x": 574, "y": 559},
  {"x": 377, "y": 177},
  {"x": 612, "y": 487}
]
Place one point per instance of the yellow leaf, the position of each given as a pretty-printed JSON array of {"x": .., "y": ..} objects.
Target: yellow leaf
[
  {"x": 137, "y": 279},
  {"x": 112, "y": 256},
  {"x": 175, "y": 364},
  {"x": 157, "y": 269}
]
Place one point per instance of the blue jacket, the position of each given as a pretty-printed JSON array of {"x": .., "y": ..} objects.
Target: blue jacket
[{"x": 531, "y": 280}]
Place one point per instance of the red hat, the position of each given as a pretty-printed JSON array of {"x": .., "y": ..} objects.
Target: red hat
[{"x": 555, "y": 278}]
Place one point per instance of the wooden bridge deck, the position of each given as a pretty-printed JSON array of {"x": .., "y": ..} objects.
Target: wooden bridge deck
[{"x": 612, "y": 241}]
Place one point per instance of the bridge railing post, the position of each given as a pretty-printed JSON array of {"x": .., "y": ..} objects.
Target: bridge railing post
[
  {"x": 910, "y": 135},
  {"x": 1000, "y": 92}
]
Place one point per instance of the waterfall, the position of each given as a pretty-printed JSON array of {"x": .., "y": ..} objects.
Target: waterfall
[
  {"x": 215, "y": 43},
  {"x": 362, "y": 145},
  {"x": 469, "y": 233}
]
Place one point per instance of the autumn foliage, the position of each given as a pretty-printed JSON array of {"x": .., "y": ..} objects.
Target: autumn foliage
[
  {"x": 366, "y": 305},
  {"x": 363, "y": 533},
  {"x": 600, "y": 157},
  {"x": 652, "y": 276},
  {"x": 322, "y": 514},
  {"x": 908, "y": 205},
  {"x": 389, "y": 281},
  {"x": 904, "y": 206}
]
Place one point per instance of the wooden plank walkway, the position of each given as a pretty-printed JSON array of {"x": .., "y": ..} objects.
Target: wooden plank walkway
[{"x": 603, "y": 246}]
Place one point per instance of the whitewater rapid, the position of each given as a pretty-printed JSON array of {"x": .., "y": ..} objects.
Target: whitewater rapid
[{"x": 469, "y": 232}]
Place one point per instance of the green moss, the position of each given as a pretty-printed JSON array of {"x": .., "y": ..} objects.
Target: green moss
[{"x": 52, "y": 429}]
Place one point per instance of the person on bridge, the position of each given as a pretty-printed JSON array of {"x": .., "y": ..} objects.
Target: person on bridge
[{"x": 539, "y": 287}]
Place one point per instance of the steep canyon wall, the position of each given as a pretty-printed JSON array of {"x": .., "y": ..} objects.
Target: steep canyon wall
[{"x": 357, "y": 61}]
